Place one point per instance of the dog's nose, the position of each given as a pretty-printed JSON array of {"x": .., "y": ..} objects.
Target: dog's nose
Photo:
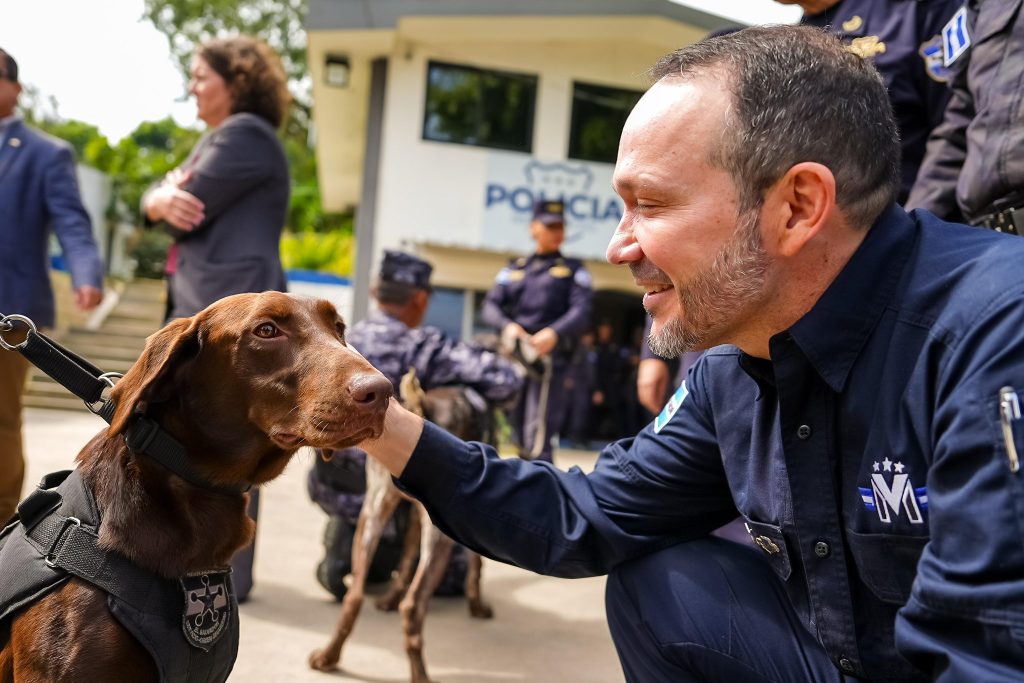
[{"x": 370, "y": 392}]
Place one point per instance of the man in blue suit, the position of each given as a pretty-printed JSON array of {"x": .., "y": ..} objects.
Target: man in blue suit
[{"x": 38, "y": 191}]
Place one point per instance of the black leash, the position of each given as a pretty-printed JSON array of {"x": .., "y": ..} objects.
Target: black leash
[{"x": 92, "y": 385}]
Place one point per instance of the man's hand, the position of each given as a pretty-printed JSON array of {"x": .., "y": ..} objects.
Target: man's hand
[
  {"x": 402, "y": 430},
  {"x": 652, "y": 384},
  {"x": 513, "y": 330},
  {"x": 544, "y": 341},
  {"x": 168, "y": 202},
  {"x": 87, "y": 297}
]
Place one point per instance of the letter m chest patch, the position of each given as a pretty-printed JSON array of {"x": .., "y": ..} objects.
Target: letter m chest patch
[{"x": 892, "y": 494}]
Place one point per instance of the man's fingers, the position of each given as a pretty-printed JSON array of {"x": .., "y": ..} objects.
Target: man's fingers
[{"x": 87, "y": 297}]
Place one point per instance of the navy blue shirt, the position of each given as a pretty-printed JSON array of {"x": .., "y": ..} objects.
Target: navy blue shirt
[
  {"x": 538, "y": 291},
  {"x": 867, "y": 458},
  {"x": 903, "y": 39}
]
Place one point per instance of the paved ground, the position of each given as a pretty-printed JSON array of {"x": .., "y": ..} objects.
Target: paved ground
[{"x": 545, "y": 630}]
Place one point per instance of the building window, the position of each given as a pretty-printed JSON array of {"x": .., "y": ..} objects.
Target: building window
[
  {"x": 479, "y": 107},
  {"x": 598, "y": 114}
]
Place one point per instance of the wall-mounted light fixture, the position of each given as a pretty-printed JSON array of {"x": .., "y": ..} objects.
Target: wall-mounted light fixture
[{"x": 336, "y": 71}]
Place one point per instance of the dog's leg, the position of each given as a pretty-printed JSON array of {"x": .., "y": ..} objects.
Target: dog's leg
[
  {"x": 378, "y": 506},
  {"x": 435, "y": 551},
  {"x": 478, "y": 609},
  {"x": 406, "y": 567}
]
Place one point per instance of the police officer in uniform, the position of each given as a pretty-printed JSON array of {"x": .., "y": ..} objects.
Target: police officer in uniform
[
  {"x": 903, "y": 39},
  {"x": 393, "y": 340},
  {"x": 974, "y": 169},
  {"x": 542, "y": 302}
]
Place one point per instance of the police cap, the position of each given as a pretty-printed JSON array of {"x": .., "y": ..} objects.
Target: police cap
[
  {"x": 549, "y": 212},
  {"x": 401, "y": 268}
]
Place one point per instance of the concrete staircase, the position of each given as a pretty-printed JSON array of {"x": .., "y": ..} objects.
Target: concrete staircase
[{"x": 112, "y": 347}]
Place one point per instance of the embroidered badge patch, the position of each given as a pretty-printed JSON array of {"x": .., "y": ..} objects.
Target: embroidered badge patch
[
  {"x": 671, "y": 407},
  {"x": 853, "y": 23},
  {"x": 934, "y": 65},
  {"x": 892, "y": 494},
  {"x": 866, "y": 47},
  {"x": 955, "y": 37},
  {"x": 207, "y": 608}
]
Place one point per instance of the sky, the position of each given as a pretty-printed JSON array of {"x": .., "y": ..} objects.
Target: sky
[{"x": 106, "y": 66}]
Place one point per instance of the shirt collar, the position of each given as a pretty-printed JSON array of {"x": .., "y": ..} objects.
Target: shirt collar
[{"x": 856, "y": 299}]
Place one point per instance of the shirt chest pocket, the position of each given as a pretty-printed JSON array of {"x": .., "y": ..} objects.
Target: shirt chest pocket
[
  {"x": 887, "y": 563},
  {"x": 772, "y": 543}
]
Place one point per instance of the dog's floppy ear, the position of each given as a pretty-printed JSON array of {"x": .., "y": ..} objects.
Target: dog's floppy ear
[{"x": 163, "y": 350}]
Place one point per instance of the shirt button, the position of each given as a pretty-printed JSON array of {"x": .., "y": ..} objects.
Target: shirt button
[
  {"x": 846, "y": 665},
  {"x": 822, "y": 549},
  {"x": 804, "y": 431}
]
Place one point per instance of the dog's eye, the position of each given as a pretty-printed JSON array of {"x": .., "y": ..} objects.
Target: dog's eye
[{"x": 266, "y": 330}]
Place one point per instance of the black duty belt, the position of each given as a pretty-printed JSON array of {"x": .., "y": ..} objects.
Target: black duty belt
[{"x": 1008, "y": 218}]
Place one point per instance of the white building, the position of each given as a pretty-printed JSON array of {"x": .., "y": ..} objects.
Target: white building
[{"x": 442, "y": 120}]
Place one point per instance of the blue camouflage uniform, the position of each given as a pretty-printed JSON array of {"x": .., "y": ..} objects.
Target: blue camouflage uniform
[
  {"x": 874, "y": 459},
  {"x": 903, "y": 39},
  {"x": 338, "y": 485},
  {"x": 974, "y": 169},
  {"x": 538, "y": 291}
]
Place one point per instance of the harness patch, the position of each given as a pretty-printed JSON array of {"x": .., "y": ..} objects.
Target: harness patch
[
  {"x": 671, "y": 407},
  {"x": 892, "y": 493},
  {"x": 207, "y": 608}
]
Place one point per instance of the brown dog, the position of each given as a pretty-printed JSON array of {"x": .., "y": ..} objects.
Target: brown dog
[
  {"x": 426, "y": 551},
  {"x": 241, "y": 385}
]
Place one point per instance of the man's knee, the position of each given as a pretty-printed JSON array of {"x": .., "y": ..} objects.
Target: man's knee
[{"x": 683, "y": 593}]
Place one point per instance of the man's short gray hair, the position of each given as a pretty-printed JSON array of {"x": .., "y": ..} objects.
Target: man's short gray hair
[{"x": 798, "y": 95}]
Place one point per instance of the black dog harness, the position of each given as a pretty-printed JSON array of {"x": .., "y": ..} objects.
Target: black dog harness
[{"x": 188, "y": 626}]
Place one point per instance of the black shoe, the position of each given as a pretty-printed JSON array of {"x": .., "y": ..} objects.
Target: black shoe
[{"x": 333, "y": 585}]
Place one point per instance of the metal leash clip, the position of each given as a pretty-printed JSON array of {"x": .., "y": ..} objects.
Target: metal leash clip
[
  {"x": 97, "y": 407},
  {"x": 7, "y": 324}
]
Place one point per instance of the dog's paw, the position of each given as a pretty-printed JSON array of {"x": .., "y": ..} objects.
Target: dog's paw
[
  {"x": 322, "y": 661},
  {"x": 478, "y": 609}
]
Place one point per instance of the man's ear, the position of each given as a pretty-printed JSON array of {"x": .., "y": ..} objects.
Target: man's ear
[{"x": 798, "y": 206}]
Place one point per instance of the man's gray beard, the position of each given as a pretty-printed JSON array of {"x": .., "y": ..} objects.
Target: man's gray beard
[{"x": 717, "y": 296}]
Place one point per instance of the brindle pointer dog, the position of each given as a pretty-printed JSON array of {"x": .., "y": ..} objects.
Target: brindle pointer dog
[
  {"x": 242, "y": 385},
  {"x": 451, "y": 409}
]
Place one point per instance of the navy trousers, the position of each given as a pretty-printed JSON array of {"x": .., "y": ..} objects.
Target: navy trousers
[
  {"x": 710, "y": 611},
  {"x": 526, "y": 417}
]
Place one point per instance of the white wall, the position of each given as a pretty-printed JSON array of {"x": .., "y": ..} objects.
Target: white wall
[
  {"x": 436, "y": 192},
  {"x": 95, "y": 188}
]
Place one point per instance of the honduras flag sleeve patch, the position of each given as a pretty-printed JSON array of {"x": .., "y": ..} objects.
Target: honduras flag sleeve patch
[
  {"x": 955, "y": 37},
  {"x": 671, "y": 407}
]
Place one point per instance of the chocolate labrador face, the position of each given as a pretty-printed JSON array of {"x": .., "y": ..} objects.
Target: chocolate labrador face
[{"x": 250, "y": 379}]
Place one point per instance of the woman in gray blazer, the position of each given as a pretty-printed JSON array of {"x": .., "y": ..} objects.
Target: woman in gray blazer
[{"x": 226, "y": 205}]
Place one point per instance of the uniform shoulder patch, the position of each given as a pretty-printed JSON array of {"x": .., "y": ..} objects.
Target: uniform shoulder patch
[
  {"x": 934, "y": 66},
  {"x": 671, "y": 407},
  {"x": 955, "y": 37},
  {"x": 582, "y": 277}
]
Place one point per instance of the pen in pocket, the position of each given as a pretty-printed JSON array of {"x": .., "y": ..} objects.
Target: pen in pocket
[{"x": 1009, "y": 412}]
